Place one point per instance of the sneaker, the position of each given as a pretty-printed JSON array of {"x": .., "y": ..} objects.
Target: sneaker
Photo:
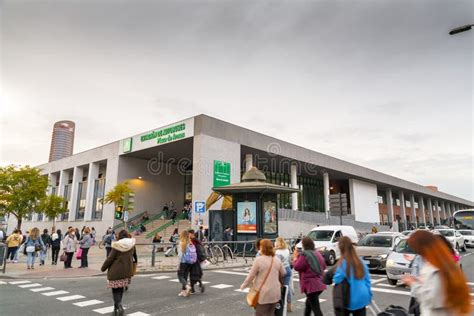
[{"x": 15, "y": 261}]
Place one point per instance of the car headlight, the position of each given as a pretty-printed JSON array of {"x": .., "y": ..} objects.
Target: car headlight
[
  {"x": 322, "y": 249},
  {"x": 390, "y": 263},
  {"x": 384, "y": 256}
]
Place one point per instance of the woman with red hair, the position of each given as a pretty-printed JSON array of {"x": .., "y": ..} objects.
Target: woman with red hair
[{"x": 441, "y": 289}]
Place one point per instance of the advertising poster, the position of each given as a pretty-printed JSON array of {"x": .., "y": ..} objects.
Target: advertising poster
[
  {"x": 247, "y": 217},
  {"x": 269, "y": 217}
]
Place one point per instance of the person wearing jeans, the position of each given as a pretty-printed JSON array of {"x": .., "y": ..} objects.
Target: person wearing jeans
[
  {"x": 310, "y": 264},
  {"x": 47, "y": 243},
  {"x": 33, "y": 242},
  {"x": 86, "y": 243},
  {"x": 13, "y": 242}
]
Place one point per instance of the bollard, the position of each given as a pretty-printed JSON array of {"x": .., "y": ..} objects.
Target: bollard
[{"x": 153, "y": 254}]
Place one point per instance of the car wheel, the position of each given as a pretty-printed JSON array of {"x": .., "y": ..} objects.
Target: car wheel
[
  {"x": 464, "y": 248},
  {"x": 331, "y": 260},
  {"x": 392, "y": 281}
]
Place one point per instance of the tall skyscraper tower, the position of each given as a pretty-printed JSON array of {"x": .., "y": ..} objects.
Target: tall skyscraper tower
[{"x": 62, "y": 141}]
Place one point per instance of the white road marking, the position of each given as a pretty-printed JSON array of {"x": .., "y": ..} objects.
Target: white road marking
[
  {"x": 88, "y": 303},
  {"x": 105, "y": 310},
  {"x": 138, "y": 314},
  {"x": 42, "y": 289},
  {"x": 205, "y": 282},
  {"x": 3, "y": 282},
  {"x": 390, "y": 291},
  {"x": 70, "y": 298},
  {"x": 467, "y": 254},
  {"x": 25, "y": 286},
  {"x": 146, "y": 275},
  {"x": 377, "y": 276},
  {"x": 55, "y": 293},
  {"x": 221, "y": 286},
  {"x": 161, "y": 277},
  {"x": 230, "y": 272},
  {"x": 19, "y": 282},
  {"x": 470, "y": 283},
  {"x": 377, "y": 281},
  {"x": 174, "y": 280},
  {"x": 246, "y": 290},
  {"x": 303, "y": 300},
  {"x": 387, "y": 285}
]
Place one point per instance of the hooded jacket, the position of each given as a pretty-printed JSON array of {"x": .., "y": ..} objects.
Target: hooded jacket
[{"x": 119, "y": 262}]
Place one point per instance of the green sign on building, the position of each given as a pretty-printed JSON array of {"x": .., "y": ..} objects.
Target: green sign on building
[
  {"x": 127, "y": 145},
  {"x": 221, "y": 173}
]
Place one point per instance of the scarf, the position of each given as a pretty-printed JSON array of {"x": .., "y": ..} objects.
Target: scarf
[{"x": 312, "y": 261}]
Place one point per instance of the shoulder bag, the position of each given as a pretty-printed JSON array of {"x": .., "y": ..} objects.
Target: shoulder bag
[{"x": 253, "y": 294}]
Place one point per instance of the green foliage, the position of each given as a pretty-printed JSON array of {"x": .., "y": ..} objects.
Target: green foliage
[
  {"x": 52, "y": 206},
  {"x": 116, "y": 196},
  {"x": 21, "y": 189}
]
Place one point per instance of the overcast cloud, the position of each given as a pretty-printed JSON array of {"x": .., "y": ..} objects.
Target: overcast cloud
[{"x": 377, "y": 83}]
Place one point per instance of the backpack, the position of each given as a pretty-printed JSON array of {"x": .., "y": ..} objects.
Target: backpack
[
  {"x": 393, "y": 310},
  {"x": 201, "y": 253},
  {"x": 190, "y": 256}
]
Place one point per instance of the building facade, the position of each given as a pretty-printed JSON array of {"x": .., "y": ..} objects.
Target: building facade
[{"x": 181, "y": 162}]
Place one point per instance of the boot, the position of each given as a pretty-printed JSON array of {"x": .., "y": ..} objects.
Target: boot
[{"x": 121, "y": 312}]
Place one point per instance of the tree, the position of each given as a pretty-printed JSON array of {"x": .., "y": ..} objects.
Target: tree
[
  {"x": 117, "y": 195},
  {"x": 21, "y": 189},
  {"x": 52, "y": 206}
]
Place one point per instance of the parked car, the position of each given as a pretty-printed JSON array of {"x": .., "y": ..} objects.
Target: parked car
[
  {"x": 398, "y": 261},
  {"x": 374, "y": 248},
  {"x": 406, "y": 232},
  {"x": 454, "y": 237},
  {"x": 441, "y": 227},
  {"x": 468, "y": 235},
  {"x": 326, "y": 238}
]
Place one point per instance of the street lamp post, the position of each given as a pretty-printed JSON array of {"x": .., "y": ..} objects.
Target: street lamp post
[{"x": 461, "y": 29}]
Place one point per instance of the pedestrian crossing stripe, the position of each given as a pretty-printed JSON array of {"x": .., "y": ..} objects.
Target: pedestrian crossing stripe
[
  {"x": 246, "y": 290},
  {"x": 42, "y": 289},
  {"x": 138, "y": 314},
  {"x": 19, "y": 282},
  {"x": 161, "y": 277},
  {"x": 221, "y": 286},
  {"x": 104, "y": 310},
  {"x": 25, "y": 286},
  {"x": 55, "y": 293},
  {"x": 3, "y": 282},
  {"x": 70, "y": 298},
  {"x": 88, "y": 303},
  {"x": 303, "y": 300},
  {"x": 174, "y": 280}
]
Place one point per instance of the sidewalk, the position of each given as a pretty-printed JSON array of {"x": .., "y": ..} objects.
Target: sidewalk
[{"x": 96, "y": 258}]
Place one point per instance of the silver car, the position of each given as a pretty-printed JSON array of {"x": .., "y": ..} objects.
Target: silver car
[
  {"x": 468, "y": 235},
  {"x": 398, "y": 261},
  {"x": 374, "y": 248}
]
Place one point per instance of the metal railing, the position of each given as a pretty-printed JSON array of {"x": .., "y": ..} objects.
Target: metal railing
[
  {"x": 151, "y": 219},
  {"x": 129, "y": 220},
  {"x": 171, "y": 222}
]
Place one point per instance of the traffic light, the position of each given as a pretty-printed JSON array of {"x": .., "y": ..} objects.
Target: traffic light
[{"x": 119, "y": 212}]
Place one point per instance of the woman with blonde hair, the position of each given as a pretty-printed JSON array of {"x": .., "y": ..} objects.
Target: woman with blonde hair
[
  {"x": 283, "y": 253},
  {"x": 69, "y": 246},
  {"x": 441, "y": 289},
  {"x": 266, "y": 273},
  {"x": 33, "y": 244},
  {"x": 187, "y": 257}
]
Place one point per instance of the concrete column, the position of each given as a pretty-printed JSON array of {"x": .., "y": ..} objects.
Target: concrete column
[
  {"x": 248, "y": 162},
  {"x": 438, "y": 217},
  {"x": 76, "y": 178},
  {"x": 443, "y": 208},
  {"x": 421, "y": 205},
  {"x": 430, "y": 210},
  {"x": 294, "y": 184},
  {"x": 403, "y": 209},
  {"x": 326, "y": 193},
  {"x": 389, "y": 205},
  {"x": 413, "y": 209},
  {"x": 91, "y": 177}
]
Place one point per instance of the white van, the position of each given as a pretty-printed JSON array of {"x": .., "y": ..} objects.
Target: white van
[{"x": 326, "y": 238}]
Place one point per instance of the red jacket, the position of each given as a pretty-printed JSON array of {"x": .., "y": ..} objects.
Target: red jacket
[{"x": 310, "y": 281}]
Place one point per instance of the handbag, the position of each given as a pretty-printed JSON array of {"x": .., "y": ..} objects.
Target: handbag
[
  {"x": 38, "y": 247},
  {"x": 63, "y": 257},
  {"x": 30, "y": 249},
  {"x": 253, "y": 294},
  {"x": 79, "y": 254}
]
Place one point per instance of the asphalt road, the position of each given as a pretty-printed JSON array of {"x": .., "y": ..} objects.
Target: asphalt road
[{"x": 157, "y": 295}]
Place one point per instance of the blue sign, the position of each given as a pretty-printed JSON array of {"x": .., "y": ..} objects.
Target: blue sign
[{"x": 200, "y": 207}]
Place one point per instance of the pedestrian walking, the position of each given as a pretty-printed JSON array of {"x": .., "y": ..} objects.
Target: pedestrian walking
[
  {"x": 441, "y": 289},
  {"x": 166, "y": 211},
  {"x": 356, "y": 278},
  {"x": 173, "y": 239},
  {"x": 187, "y": 257},
  {"x": 119, "y": 266},
  {"x": 13, "y": 243},
  {"x": 265, "y": 275},
  {"x": 196, "y": 269},
  {"x": 69, "y": 247},
  {"x": 310, "y": 265},
  {"x": 93, "y": 235},
  {"x": 56, "y": 239},
  {"x": 283, "y": 253},
  {"x": 200, "y": 234},
  {"x": 174, "y": 213},
  {"x": 85, "y": 243},
  {"x": 107, "y": 239},
  {"x": 46, "y": 238},
  {"x": 33, "y": 244}
]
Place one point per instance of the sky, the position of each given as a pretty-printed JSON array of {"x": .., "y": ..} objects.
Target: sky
[{"x": 379, "y": 83}]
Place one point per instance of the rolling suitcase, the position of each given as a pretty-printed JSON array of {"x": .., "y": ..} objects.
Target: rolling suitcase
[{"x": 281, "y": 306}]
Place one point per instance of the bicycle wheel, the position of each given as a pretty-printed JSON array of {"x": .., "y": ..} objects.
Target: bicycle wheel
[
  {"x": 218, "y": 254},
  {"x": 210, "y": 255},
  {"x": 100, "y": 245},
  {"x": 227, "y": 252}
]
